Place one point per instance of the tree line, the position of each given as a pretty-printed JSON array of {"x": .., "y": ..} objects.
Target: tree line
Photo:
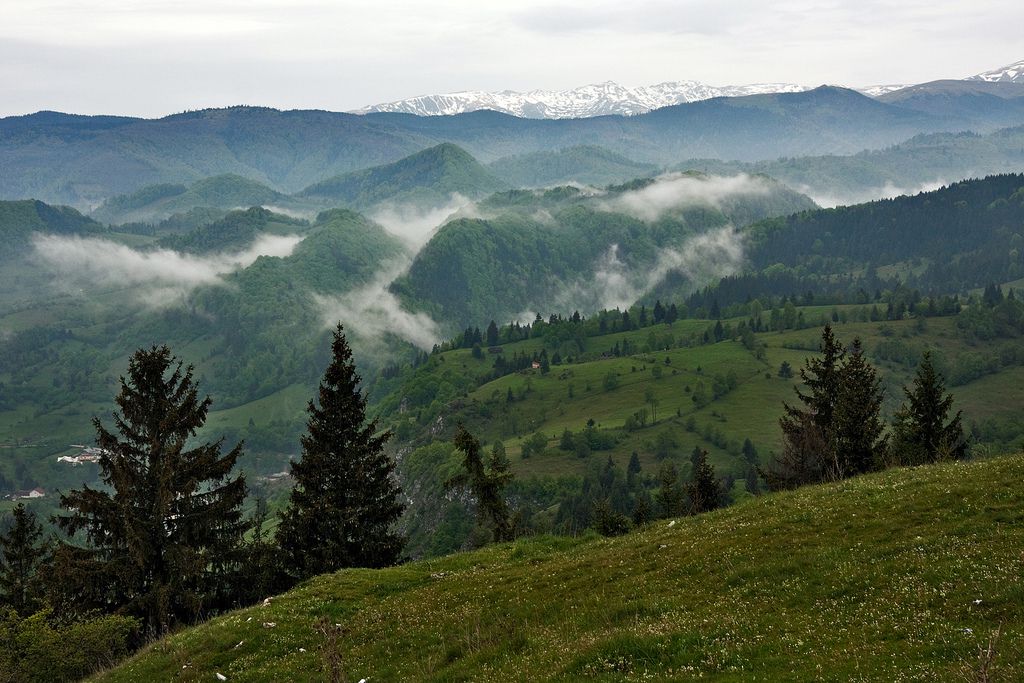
[{"x": 836, "y": 429}]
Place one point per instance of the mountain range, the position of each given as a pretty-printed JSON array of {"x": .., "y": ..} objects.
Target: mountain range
[
  {"x": 83, "y": 161},
  {"x": 600, "y": 99}
]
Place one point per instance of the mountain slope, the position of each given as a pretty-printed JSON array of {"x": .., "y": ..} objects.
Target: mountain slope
[
  {"x": 903, "y": 572},
  {"x": 19, "y": 219},
  {"x": 432, "y": 175},
  {"x": 920, "y": 163},
  {"x": 156, "y": 202},
  {"x": 1013, "y": 73},
  {"x": 951, "y": 240},
  {"x": 235, "y": 231},
  {"x": 84, "y": 160},
  {"x": 587, "y": 164},
  {"x": 981, "y": 105},
  {"x": 564, "y": 248}
]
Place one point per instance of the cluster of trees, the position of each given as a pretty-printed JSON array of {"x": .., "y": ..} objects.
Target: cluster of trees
[
  {"x": 612, "y": 502},
  {"x": 164, "y": 542},
  {"x": 837, "y": 431},
  {"x": 996, "y": 315}
]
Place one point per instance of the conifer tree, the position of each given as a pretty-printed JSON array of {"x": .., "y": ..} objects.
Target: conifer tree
[
  {"x": 704, "y": 491},
  {"x": 345, "y": 501},
  {"x": 807, "y": 432},
  {"x": 670, "y": 498},
  {"x": 857, "y": 430},
  {"x": 606, "y": 521},
  {"x": 486, "y": 483},
  {"x": 642, "y": 510},
  {"x": 633, "y": 471},
  {"x": 21, "y": 558},
  {"x": 492, "y": 334},
  {"x": 821, "y": 376},
  {"x": 170, "y": 516},
  {"x": 921, "y": 432}
]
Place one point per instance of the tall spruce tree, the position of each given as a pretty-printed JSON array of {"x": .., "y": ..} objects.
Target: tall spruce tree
[
  {"x": 22, "y": 555},
  {"x": 822, "y": 377},
  {"x": 921, "y": 432},
  {"x": 345, "y": 501},
  {"x": 671, "y": 502},
  {"x": 487, "y": 484},
  {"x": 807, "y": 431},
  {"x": 704, "y": 491},
  {"x": 161, "y": 533},
  {"x": 857, "y": 429}
]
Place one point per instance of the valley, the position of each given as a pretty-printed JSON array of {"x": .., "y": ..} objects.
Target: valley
[{"x": 605, "y": 383}]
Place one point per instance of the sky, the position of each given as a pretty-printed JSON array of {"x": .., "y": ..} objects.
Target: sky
[{"x": 157, "y": 57}]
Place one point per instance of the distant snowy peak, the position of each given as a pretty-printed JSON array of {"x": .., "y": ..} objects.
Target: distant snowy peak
[
  {"x": 590, "y": 100},
  {"x": 1013, "y": 73},
  {"x": 879, "y": 90}
]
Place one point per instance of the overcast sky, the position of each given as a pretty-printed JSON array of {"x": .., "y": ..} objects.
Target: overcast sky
[{"x": 155, "y": 57}]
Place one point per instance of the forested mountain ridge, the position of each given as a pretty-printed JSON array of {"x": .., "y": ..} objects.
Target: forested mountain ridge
[
  {"x": 157, "y": 202},
  {"x": 920, "y": 163},
  {"x": 93, "y": 160},
  {"x": 587, "y": 164},
  {"x": 430, "y": 176},
  {"x": 532, "y": 247},
  {"x": 957, "y": 238},
  {"x": 19, "y": 219},
  {"x": 977, "y": 103}
]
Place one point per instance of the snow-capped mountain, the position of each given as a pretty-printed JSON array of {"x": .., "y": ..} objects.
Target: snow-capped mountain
[
  {"x": 879, "y": 90},
  {"x": 611, "y": 98},
  {"x": 1012, "y": 73},
  {"x": 590, "y": 100}
]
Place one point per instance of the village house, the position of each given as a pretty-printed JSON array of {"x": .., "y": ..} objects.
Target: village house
[{"x": 27, "y": 495}]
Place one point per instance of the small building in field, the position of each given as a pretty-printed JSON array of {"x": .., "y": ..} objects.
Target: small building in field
[{"x": 28, "y": 495}]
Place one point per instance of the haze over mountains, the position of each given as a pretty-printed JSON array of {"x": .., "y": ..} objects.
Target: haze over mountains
[{"x": 83, "y": 161}]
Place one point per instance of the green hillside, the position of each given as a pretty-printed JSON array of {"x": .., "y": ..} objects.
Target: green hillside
[
  {"x": 587, "y": 164},
  {"x": 19, "y": 219},
  {"x": 430, "y": 176},
  {"x": 256, "y": 341},
  {"x": 893, "y": 576},
  {"x": 911, "y": 166},
  {"x": 954, "y": 239},
  {"x": 157, "y": 202},
  {"x": 538, "y": 250},
  {"x": 236, "y": 230}
]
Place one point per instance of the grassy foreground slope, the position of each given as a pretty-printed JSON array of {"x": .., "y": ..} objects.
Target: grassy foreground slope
[{"x": 894, "y": 576}]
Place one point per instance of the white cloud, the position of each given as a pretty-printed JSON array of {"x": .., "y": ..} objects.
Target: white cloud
[
  {"x": 887, "y": 191},
  {"x": 614, "y": 284},
  {"x": 675, "y": 190},
  {"x": 415, "y": 224},
  {"x": 156, "y": 277},
  {"x": 371, "y": 312}
]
